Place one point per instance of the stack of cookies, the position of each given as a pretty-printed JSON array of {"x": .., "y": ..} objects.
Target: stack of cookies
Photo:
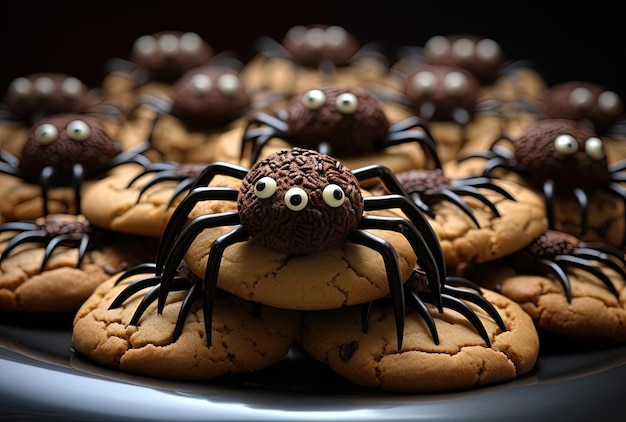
[{"x": 413, "y": 222}]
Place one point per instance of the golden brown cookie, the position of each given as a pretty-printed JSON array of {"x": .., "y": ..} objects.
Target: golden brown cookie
[
  {"x": 63, "y": 285},
  {"x": 244, "y": 338},
  {"x": 597, "y": 307},
  {"x": 120, "y": 203},
  {"x": 460, "y": 361}
]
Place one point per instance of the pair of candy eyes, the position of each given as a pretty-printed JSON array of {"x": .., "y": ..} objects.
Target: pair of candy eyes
[
  {"x": 464, "y": 48},
  {"x": 227, "y": 84},
  {"x": 333, "y": 36},
  {"x": 47, "y": 133},
  {"x": 567, "y": 144},
  {"x": 346, "y": 103},
  {"x": 454, "y": 83},
  {"x": 296, "y": 198}
]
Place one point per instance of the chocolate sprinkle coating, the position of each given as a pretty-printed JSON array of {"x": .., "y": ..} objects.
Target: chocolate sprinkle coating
[
  {"x": 317, "y": 226},
  {"x": 539, "y": 160}
]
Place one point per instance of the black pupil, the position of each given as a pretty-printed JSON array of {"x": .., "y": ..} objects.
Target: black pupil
[
  {"x": 260, "y": 186},
  {"x": 337, "y": 194},
  {"x": 295, "y": 200}
]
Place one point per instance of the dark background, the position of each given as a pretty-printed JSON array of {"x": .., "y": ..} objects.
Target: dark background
[{"x": 77, "y": 37}]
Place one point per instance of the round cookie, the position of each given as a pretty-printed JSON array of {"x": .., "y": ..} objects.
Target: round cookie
[
  {"x": 594, "y": 312},
  {"x": 244, "y": 338},
  {"x": 127, "y": 201},
  {"x": 494, "y": 226},
  {"x": 460, "y": 361},
  {"x": 63, "y": 285}
]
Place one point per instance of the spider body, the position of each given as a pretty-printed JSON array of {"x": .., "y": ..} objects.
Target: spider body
[
  {"x": 336, "y": 120},
  {"x": 558, "y": 157},
  {"x": 297, "y": 201},
  {"x": 65, "y": 149},
  {"x": 555, "y": 253}
]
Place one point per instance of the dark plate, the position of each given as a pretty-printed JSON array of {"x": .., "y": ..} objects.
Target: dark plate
[{"x": 42, "y": 379}]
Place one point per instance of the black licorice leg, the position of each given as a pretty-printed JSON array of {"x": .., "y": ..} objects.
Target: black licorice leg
[
  {"x": 425, "y": 258},
  {"x": 238, "y": 234},
  {"x": 192, "y": 295},
  {"x": 620, "y": 191},
  {"x": 587, "y": 266},
  {"x": 32, "y": 236},
  {"x": 149, "y": 298},
  {"x": 418, "y": 305},
  {"x": 276, "y": 125},
  {"x": 180, "y": 215},
  {"x": 426, "y": 231},
  {"x": 392, "y": 268},
  {"x": 426, "y": 142},
  {"x": 478, "y": 299},
  {"x": 134, "y": 287},
  {"x": 602, "y": 257},
  {"x": 455, "y": 199},
  {"x": 560, "y": 274},
  {"x": 143, "y": 268},
  {"x": 178, "y": 250},
  {"x": 55, "y": 242},
  {"x": 481, "y": 182},
  {"x": 226, "y": 169},
  {"x": 78, "y": 175},
  {"x": 583, "y": 201},
  {"x": 476, "y": 194},
  {"x": 548, "y": 193},
  {"x": 162, "y": 176},
  {"x": 45, "y": 178},
  {"x": 18, "y": 226}
]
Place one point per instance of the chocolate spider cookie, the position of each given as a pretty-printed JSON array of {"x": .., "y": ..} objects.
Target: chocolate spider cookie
[
  {"x": 458, "y": 360},
  {"x": 246, "y": 336},
  {"x": 568, "y": 287},
  {"x": 54, "y": 264}
]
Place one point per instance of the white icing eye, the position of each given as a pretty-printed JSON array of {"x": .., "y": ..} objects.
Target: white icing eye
[
  {"x": 455, "y": 83},
  {"x": 78, "y": 130},
  {"x": 314, "y": 99},
  {"x": 296, "y": 35},
  {"x": 333, "y": 195},
  {"x": 296, "y": 199},
  {"x": 228, "y": 84},
  {"x": 463, "y": 48},
  {"x": 46, "y": 134},
  {"x": 200, "y": 83},
  {"x": 44, "y": 86},
  {"x": 347, "y": 103},
  {"x": 168, "y": 43},
  {"x": 565, "y": 144},
  {"x": 190, "y": 42},
  {"x": 487, "y": 50},
  {"x": 610, "y": 103},
  {"x": 580, "y": 97},
  {"x": 21, "y": 86},
  {"x": 265, "y": 187},
  {"x": 315, "y": 38},
  {"x": 71, "y": 86},
  {"x": 335, "y": 36},
  {"x": 425, "y": 81},
  {"x": 437, "y": 45},
  {"x": 594, "y": 148},
  {"x": 145, "y": 45}
]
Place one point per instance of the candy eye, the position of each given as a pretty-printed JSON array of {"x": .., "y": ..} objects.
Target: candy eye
[
  {"x": 228, "y": 84},
  {"x": 21, "y": 86},
  {"x": 145, "y": 45},
  {"x": 487, "y": 49},
  {"x": 71, "y": 86},
  {"x": 455, "y": 83},
  {"x": 190, "y": 42},
  {"x": 333, "y": 195},
  {"x": 265, "y": 187},
  {"x": 437, "y": 45},
  {"x": 347, "y": 103},
  {"x": 78, "y": 130},
  {"x": 463, "y": 48},
  {"x": 168, "y": 44},
  {"x": 314, "y": 99},
  {"x": 594, "y": 149},
  {"x": 200, "y": 83},
  {"x": 425, "y": 81},
  {"x": 46, "y": 134},
  {"x": 565, "y": 144},
  {"x": 610, "y": 103},
  {"x": 296, "y": 199},
  {"x": 44, "y": 86}
]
